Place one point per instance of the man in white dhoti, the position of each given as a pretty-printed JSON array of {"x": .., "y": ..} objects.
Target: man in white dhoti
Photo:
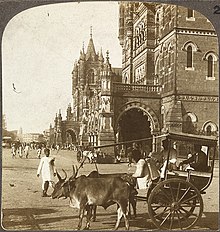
[{"x": 47, "y": 170}]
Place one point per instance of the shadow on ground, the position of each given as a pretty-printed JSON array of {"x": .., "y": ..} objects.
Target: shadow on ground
[
  {"x": 29, "y": 217},
  {"x": 210, "y": 220},
  {"x": 141, "y": 222}
]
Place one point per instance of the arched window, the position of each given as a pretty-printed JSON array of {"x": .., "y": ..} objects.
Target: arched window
[
  {"x": 211, "y": 58},
  {"x": 125, "y": 79},
  {"x": 189, "y": 57},
  {"x": 169, "y": 14},
  {"x": 169, "y": 55},
  {"x": 190, "y": 47},
  {"x": 210, "y": 66},
  {"x": 157, "y": 23},
  {"x": 189, "y": 123},
  {"x": 137, "y": 38},
  {"x": 91, "y": 76},
  {"x": 208, "y": 130}
]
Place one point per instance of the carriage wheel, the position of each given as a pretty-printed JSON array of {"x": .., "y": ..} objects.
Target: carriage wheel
[
  {"x": 175, "y": 204},
  {"x": 79, "y": 156}
]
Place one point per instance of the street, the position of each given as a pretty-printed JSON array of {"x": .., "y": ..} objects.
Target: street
[{"x": 23, "y": 208}]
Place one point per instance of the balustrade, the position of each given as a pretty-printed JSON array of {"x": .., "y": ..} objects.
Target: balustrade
[{"x": 124, "y": 88}]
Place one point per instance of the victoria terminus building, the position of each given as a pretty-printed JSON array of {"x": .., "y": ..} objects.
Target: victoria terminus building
[{"x": 168, "y": 80}]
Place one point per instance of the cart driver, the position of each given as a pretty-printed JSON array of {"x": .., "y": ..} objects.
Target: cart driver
[
  {"x": 172, "y": 157},
  {"x": 145, "y": 167},
  {"x": 198, "y": 161}
]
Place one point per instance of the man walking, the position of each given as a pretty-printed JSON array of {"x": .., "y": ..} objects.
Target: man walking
[{"x": 47, "y": 170}]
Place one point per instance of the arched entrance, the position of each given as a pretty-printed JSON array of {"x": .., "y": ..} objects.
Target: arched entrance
[
  {"x": 71, "y": 137},
  {"x": 135, "y": 121},
  {"x": 134, "y": 124}
]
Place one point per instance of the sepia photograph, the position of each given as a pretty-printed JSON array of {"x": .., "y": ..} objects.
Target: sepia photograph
[{"x": 110, "y": 115}]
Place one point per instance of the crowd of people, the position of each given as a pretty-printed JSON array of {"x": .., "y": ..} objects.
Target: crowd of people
[{"x": 21, "y": 149}]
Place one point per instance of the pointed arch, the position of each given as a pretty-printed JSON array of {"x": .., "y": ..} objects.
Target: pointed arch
[
  {"x": 209, "y": 128},
  {"x": 213, "y": 54},
  {"x": 154, "y": 122},
  {"x": 211, "y": 58},
  {"x": 71, "y": 136},
  {"x": 189, "y": 123},
  {"x": 189, "y": 57},
  {"x": 194, "y": 46},
  {"x": 91, "y": 76},
  {"x": 190, "y": 47}
]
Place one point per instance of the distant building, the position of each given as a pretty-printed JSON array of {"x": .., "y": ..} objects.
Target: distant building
[
  {"x": 20, "y": 135},
  {"x": 32, "y": 137},
  {"x": 89, "y": 121}
]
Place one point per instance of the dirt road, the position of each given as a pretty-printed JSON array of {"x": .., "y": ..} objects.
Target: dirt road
[{"x": 23, "y": 208}]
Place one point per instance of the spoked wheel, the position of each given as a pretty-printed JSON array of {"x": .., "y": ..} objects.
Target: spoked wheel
[{"x": 175, "y": 204}]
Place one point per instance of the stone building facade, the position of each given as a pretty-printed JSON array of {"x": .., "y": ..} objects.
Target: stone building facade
[
  {"x": 89, "y": 119},
  {"x": 168, "y": 82},
  {"x": 170, "y": 66}
]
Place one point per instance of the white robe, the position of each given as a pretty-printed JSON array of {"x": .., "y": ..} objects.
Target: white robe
[{"x": 46, "y": 169}]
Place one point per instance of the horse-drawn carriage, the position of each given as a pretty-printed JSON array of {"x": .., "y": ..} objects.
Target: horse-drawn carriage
[{"x": 175, "y": 202}]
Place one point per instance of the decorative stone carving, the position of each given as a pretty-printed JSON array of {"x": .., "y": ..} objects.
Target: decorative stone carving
[{"x": 197, "y": 98}]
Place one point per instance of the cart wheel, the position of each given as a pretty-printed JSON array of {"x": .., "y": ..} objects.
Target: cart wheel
[
  {"x": 175, "y": 204},
  {"x": 79, "y": 156}
]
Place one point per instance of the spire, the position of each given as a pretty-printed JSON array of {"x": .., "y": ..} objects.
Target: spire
[
  {"x": 83, "y": 50},
  {"x": 69, "y": 112},
  {"x": 107, "y": 64},
  {"x": 107, "y": 56},
  {"x": 90, "y": 53},
  {"x": 55, "y": 121},
  {"x": 101, "y": 58},
  {"x": 91, "y": 32},
  {"x": 59, "y": 115}
]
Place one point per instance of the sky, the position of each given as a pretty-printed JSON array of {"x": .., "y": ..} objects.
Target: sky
[{"x": 40, "y": 46}]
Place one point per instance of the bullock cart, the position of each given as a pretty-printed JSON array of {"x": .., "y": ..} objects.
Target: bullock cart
[{"x": 175, "y": 201}]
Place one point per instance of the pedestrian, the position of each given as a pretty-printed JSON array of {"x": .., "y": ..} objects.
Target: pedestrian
[
  {"x": 20, "y": 150},
  {"x": 13, "y": 150},
  {"x": 38, "y": 152},
  {"x": 26, "y": 150},
  {"x": 47, "y": 170}
]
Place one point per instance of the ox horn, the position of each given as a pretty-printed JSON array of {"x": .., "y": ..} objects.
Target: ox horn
[
  {"x": 65, "y": 174},
  {"x": 58, "y": 175},
  {"x": 74, "y": 171}
]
